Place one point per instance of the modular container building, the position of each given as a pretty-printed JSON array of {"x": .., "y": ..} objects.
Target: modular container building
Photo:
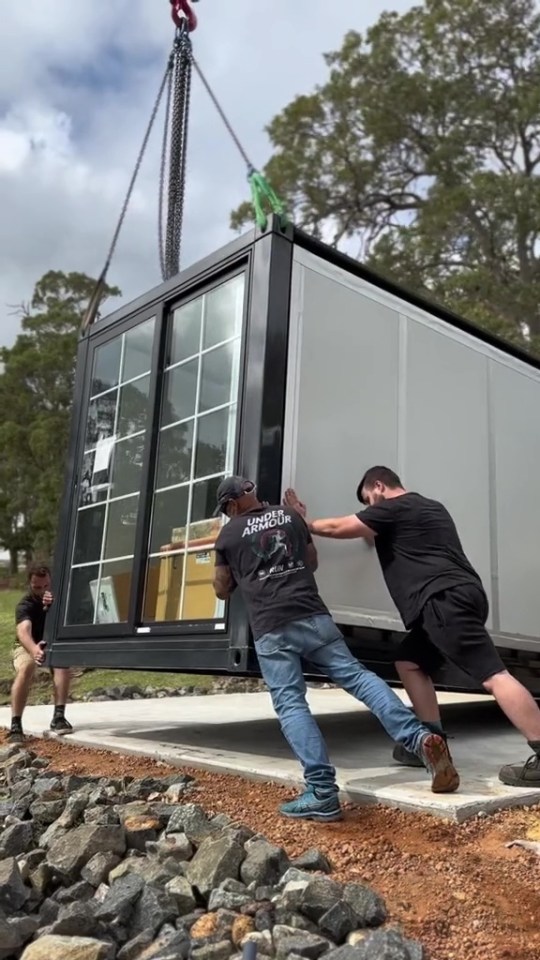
[{"x": 283, "y": 360}]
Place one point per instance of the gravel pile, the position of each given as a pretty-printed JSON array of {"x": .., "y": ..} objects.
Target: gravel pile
[
  {"x": 133, "y": 691},
  {"x": 122, "y": 869}
]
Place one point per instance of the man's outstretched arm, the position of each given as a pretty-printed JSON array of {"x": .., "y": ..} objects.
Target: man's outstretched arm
[{"x": 336, "y": 528}]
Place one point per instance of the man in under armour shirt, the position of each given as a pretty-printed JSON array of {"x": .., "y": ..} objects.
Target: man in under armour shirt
[
  {"x": 267, "y": 552},
  {"x": 441, "y": 601}
]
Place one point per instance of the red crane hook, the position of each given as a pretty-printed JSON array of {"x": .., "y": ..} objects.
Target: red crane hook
[{"x": 182, "y": 14}]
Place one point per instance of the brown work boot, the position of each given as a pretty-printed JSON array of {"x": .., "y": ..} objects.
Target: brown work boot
[
  {"x": 438, "y": 762},
  {"x": 523, "y": 774}
]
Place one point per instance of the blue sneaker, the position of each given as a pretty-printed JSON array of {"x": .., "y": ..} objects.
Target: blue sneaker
[{"x": 308, "y": 806}]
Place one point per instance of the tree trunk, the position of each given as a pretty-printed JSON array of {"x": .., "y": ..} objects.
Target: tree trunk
[{"x": 13, "y": 562}]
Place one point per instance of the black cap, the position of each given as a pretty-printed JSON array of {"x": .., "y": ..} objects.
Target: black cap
[{"x": 232, "y": 488}]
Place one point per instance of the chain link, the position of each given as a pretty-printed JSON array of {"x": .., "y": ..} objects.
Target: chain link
[{"x": 175, "y": 145}]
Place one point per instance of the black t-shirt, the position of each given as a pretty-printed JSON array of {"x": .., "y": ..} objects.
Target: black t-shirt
[
  {"x": 31, "y": 608},
  {"x": 419, "y": 551},
  {"x": 266, "y": 553}
]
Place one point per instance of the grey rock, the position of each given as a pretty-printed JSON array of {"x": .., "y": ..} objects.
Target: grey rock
[
  {"x": 287, "y": 941},
  {"x": 33, "y": 858},
  {"x": 174, "y": 945},
  {"x": 74, "y": 809},
  {"x": 181, "y": 891},
  {"x": 68, "y": 948},
  {"x": 70, "y": 853},
  {"x": 41, "y": 879},
  {"x": 133, "y": 948},
  {"x": 294, "y": 874},
  {"x": 313, "y": 859},
  {"x": 45, "y": 812},
  {"x": 264, "y": 893},
  {"x": 98, "y": 868},
  {"x": 215, "y": 861},
  {"x": 48, "y": 912},
  {"x": 78, "y": 891},
  {"x": 7, "y": 752},
  {"x": 264, "y": 919},
  {"x": 16, "y": 839},
  {"x": 227, "y": 900},
  {"x": 13, "y": 893},
  {"x": 186, "y": 923},
  {"x": 213, "y": 951},
  {"x": 319, "y": 896},
  {"x": 154, "y": 908},
  {"x": 338, "y": 922},
  {"x": 74, "y": 920},
  {"x": 291, "y": 897},
  {"x": 119, "y": 902},
  {"x": 265, "y": 863},
  {"x": 190, "y": 819},
  {"x": 48, "y": 788},
  {"x": 24, "y": 928},
  {"x": 368, "y": 906},
  {"x": 140, "y": 831},
  {"x": 262, "y": 941},
  {"x": 174, "y": 845},
  {"x": 52, "y": 834},
  {"x": 12, "y": 936},
  {"x": 22, "y": 791},
  {"x": 152, "y": 871},
  {"x": 101, "y": 816},
  {"x": 387, "y": 945},
  {"x": 343, "y": 953}
]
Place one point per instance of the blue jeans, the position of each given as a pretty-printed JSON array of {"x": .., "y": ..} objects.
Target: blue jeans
[{"x": 319, "y": 640}]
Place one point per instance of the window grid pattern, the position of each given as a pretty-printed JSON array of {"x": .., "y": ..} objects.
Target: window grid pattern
[
  {"x": 196, "y": 422},
  {"x": 102, "y": 495}
]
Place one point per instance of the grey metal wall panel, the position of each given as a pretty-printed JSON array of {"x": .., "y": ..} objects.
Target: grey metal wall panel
[
  {"x": 516, "y": 414},
  {"x": 343, "y": 385},
  {"x": 444, "y": 434},
  {"x": 374, "y": 379}
]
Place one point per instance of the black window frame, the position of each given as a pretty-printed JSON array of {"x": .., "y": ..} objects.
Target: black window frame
[{"x": 265, "y": 257}]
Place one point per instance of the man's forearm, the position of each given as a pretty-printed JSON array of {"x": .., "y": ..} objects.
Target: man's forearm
[
  {"x": 27, "y": 641},
  {"x": 341, "y": 528}
]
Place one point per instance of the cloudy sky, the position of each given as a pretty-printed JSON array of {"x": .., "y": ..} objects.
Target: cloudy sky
[{"x": 77, "y": 82}]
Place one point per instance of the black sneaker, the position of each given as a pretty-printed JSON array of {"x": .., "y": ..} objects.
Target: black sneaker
[
  {"x": 406, "y": 757},
  {"x": 15, "y": 735},
  {"x": 61, "y": 726},
  {"x": 523, "y": 774}
]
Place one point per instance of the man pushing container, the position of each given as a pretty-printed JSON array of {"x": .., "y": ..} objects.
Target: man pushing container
[{"x": 268, "y": 553}]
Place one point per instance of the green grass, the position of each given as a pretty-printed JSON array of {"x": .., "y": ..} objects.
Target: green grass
[{"x": 41, "y": 692}]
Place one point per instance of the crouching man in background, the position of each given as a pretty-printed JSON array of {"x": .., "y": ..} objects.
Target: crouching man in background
[{"x": 29, "y": 654}]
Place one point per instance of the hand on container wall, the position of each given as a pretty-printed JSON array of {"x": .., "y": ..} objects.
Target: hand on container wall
[{"x": 291, "y": 499}]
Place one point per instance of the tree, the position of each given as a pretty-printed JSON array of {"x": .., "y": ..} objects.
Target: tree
[
  {"x": 423, "y": 148},
  {"x": 36, "y": 391}
]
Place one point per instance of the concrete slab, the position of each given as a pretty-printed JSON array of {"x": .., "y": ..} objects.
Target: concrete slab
[{"x": 239, "y": 734}]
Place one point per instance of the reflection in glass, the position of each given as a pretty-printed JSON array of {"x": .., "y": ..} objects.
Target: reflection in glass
[
  {"x": 180, "y": 393},
  {"x": 223, "y": 312},
  {"x": 139, "y": 342},
  {"x": 121, "y": 526},
  {"x": 89, "y": 534},
  {"x": 106, "y": 366},
  {"x": 101, "y": 417},
  {"x": 80, "y": 605},
  {"x": 133, "y": 413},
  {"x": 128, "y": 464},
  {"x": 216, "y": 376},
  {"x": 174, "y": 456},
  {"x": 114, "y": 591},
  {"x": 94, "y": 484},
  {"x": 169, "y": 518},
  {"x": 204, "y": 500},
  {"x": 212, "y": 433},
  {"x": 185, "y": 331}
]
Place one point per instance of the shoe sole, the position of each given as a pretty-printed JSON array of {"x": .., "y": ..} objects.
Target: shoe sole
[
  {"x": 413, "y": 761},
  {"x": 444, "y": 776},
  {"x": 321, "y": 817},
  {"x": 61, "y": 733},
  {"x": 522, "y": 784}
]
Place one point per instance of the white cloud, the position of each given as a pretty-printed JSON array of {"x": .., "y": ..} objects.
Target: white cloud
[{"x": 76, "y": 87}]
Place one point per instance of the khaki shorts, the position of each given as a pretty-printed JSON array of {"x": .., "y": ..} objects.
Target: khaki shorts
[{"x": 22, "y": 660}]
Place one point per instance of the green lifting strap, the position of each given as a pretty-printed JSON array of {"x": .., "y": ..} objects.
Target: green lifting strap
[{"x": 261, "y": 191}]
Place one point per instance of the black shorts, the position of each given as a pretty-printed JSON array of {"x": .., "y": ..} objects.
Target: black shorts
[{"x": 452, "y": 627}]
